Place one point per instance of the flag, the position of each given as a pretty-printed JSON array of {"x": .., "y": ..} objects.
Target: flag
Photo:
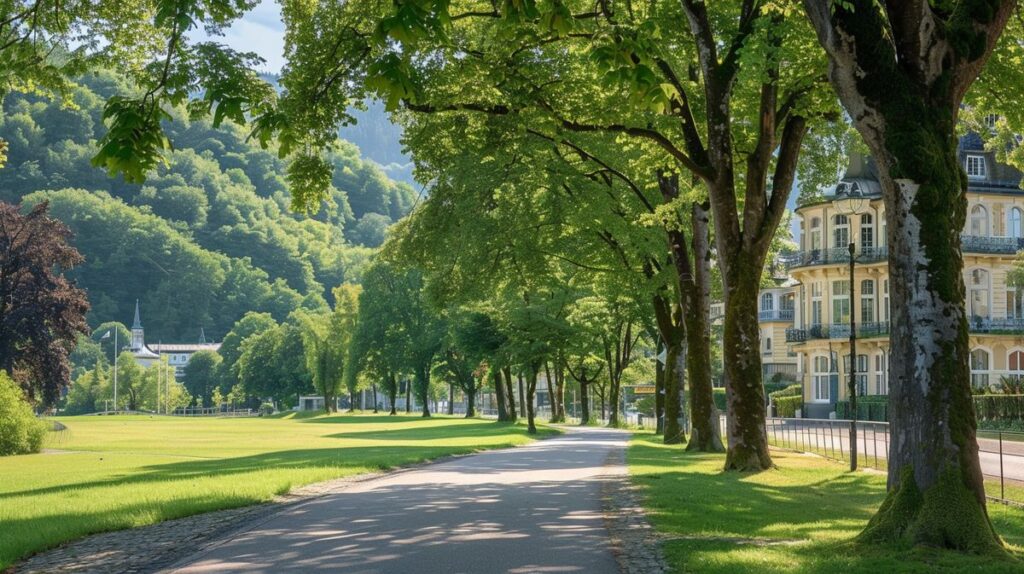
[{"x": 105, "y": 336}]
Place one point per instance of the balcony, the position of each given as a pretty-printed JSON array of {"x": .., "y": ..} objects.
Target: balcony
[
  {"x": 993, "y": 245},
  {"x": 976, "y": 325},
  {"x": 833, "y": 256},
  {"x": 776, "y": 315},
  {"x": 837, "y": 331}
]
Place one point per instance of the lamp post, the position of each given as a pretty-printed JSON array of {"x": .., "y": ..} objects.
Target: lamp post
[{"x": 850, "y": 201}]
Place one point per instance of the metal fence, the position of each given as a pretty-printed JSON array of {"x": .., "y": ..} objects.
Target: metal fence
[{"x": 1001, "y": 452}]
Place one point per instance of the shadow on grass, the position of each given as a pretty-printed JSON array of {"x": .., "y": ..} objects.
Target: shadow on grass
[{"x": 807, "y": 499}]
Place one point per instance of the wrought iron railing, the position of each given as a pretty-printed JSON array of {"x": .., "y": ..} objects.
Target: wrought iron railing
[
  {"x": 985, "y": 244},
  {"x": 836, "y": 331},
  {"x": 775, "y": 315},
  {"x": 833, "y": 256}
]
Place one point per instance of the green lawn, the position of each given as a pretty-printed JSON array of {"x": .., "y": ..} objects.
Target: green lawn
[
  {"x": 813, "y": 504},
  {"x": 118, "y": 472}
]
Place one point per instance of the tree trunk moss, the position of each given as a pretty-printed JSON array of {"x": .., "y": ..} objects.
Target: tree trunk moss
[{"x": 744, "y": 390}]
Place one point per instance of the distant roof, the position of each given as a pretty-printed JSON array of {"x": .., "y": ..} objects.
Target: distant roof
[
  {"x": 184, "y": 348},
  {"x": 145, "y": 353}
]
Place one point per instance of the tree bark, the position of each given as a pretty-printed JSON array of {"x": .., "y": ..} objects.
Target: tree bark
[
  {"x": 584, "y": 403},
  {"x": 705, "y": 433},
  {"x": 560, "y": 391},
  {"x": 499, "y": 393},
  {"x": 522, "y": 397},
  {"x": 659, "y": 397},
  {"x": 393, "y": 392},
  {"x": 744, "y": 389},
  {"x": 408, "y": 397},
  {"x": 531, "y": 389},
  {"x": 510, "y": 395},
  {"x": 373, "y": 387},
  {"x": 451, "y": 398},
  {"x": 423, "y": 389},
  {"x": 902, "y": 75},
  {"x": 471, "y": 402}
]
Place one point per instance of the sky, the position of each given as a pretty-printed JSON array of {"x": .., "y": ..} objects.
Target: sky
[{"x": 260, "y": 31}]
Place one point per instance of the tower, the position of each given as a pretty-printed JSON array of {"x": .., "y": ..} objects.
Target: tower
[{"x": 138, "y": 341}]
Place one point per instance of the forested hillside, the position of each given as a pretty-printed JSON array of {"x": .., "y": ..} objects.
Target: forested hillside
[{"x": 209, "y": 236}]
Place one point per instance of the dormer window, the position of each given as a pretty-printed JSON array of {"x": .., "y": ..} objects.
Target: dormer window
[{"x": 975, "y": 167}]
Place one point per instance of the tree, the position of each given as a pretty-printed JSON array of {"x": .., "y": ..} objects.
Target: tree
[
  {"x": 902, "y": 70},
  {"x": 202, "y": 376},
  {"x": 343, "y": 327},
  {"x": 131, "y": 383},
  {"x": 252, "y": 323},
  {"x": 726, "y": 91},
  {"x": 86, "y": 391},
  {"x": 41, "y": 312}
]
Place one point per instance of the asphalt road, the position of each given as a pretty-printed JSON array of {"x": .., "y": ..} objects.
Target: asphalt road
[{"x": 530, "y": 509}]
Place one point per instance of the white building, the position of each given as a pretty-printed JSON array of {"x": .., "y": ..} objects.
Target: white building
[{"x": 177, "y": 354}]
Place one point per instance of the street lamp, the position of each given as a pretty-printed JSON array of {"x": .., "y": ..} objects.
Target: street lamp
[{"x": 849, "y": 201}]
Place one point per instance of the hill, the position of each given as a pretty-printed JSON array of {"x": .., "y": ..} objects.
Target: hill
[{"x": 208, "y": 236}]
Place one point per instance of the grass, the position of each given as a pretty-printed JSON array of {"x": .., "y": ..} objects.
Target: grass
[
  {"x": 807, "y": 510},
  {"x": 120, "y": 472}
]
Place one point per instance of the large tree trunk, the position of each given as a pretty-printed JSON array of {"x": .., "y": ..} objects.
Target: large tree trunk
[
  {"x": 373, "y": 387},
  {"x": 423, "y": 389},
  {"x": 668, "y": 317},
  {"x": 522, "y": 395},
  {"x": 531, "y": 389},
  {"x": 499, "y": 393},
  {"x": 408, "y": 397},
  {"x": 744, "y": 390},
  {"x": 510, "y": 395},
  {"x": 451, "y": 398},
  {"x": 706, "y": 433},
  {"x": 902, "y": 75},
  {"x": 471, "y": 401},
  {"x": 559, "y": 392},
  {"x": 933, "y": 457},
  {"x": 584, "y": 403},
  {"x": 613, "y": 402},
  {"x": 393, "y": 392},
  {"x": 659, "y": 396}
]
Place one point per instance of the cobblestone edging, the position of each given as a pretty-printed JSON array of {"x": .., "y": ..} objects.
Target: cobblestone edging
[
  {"x": 636, "y": 545},
  {"x": 150, "y": 548}
]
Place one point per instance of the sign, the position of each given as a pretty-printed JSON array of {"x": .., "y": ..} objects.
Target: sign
[{"x": 643, "y": 389}]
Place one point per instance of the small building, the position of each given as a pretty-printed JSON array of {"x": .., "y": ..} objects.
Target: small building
[{"x": 177, "y": 354}]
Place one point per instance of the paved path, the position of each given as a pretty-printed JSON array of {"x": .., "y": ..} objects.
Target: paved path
[{"x": 529, "y": 509}]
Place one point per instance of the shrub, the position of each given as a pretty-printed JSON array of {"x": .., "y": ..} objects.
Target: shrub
[
  {"x": 786, "y": 406},
  {"x": 266, "y": 409},
  {"x": 999, "y": 407},
  {"x": 795, "y": 390},
  {"x": 20, "y": 431}
]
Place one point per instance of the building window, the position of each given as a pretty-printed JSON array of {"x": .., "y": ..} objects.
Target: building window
[
  {"x": 768, "y": 346},
  {"x": 840, "y": 231},
  {"x": 883, "y": 239},
  {"x": 867, "y": 301},
  {"x": 862, "y": 375},
  {"x": 822, "y": 379},
  {"x": 978, "y": 301},
  {"x": 867, "y": 233},
  {"x": 816, "y": 304},
  {"x": 840, "y": 301},
  {"x": 767, "y": 302},
  {"x": 979, "y": 368},
  {"x": 1014, "y": 302},
  {"x": 881, "y": 372},
  {"x": 975, "y": 165},
  {"x": 815, "y": 233},
  {"x": 979, "y": 221},
  {"x": 1016, "y": 366},
  {"x": 885, "y": 299},
  {"x": 1013, "y": 223}
]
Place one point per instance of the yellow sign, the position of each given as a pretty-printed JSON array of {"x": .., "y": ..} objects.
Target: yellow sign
[{"x": 643, "y": 389}]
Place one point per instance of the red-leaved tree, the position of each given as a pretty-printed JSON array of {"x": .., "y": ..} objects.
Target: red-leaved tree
[{"x": 41, "y": 312}]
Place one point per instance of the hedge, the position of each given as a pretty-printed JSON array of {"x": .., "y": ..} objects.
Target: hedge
[
  {"x": 786, "y": 407},
  {"x": 869, "y": 408},
  {"x": 719, "y": 396},
  {"x": 999, "y": 407}
]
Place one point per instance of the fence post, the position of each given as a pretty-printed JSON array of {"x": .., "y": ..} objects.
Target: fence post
[{"x": 1002, "y": 482}]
